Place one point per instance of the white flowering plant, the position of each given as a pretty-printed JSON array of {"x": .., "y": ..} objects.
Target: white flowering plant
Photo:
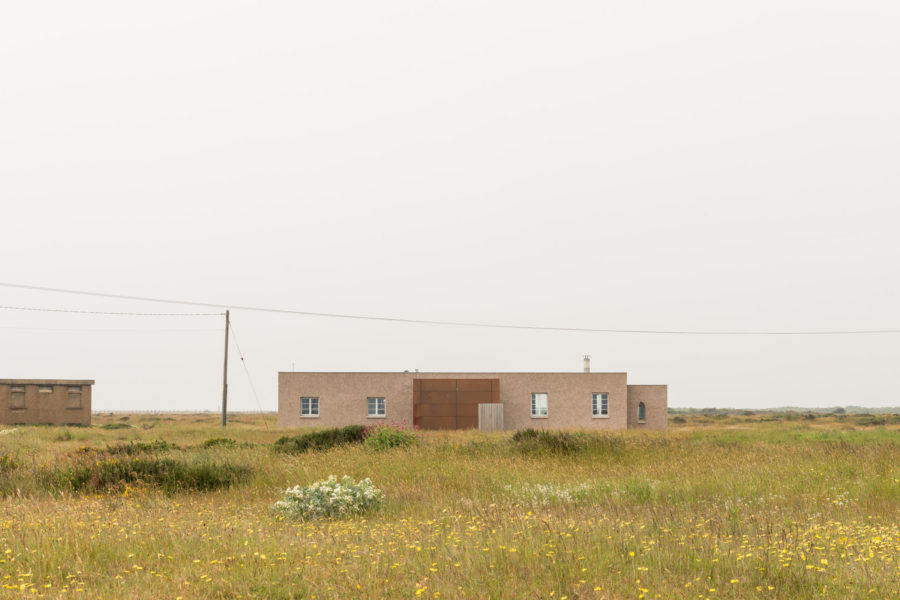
[
  {"x": 547, "y": 493},
  {"x": 330, "y": 498}
]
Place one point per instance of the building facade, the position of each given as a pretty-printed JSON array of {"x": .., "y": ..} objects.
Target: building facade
[
  {"x": 450, "y": 400},
  {"x": 45, "y": 401}
]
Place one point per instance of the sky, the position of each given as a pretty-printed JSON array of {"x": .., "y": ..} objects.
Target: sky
[{"x": 654, "y": 165}]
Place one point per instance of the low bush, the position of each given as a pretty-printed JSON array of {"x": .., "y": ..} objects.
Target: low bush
[
  {"x": 322, "y": 439},
  {"x": 129, "y": 448},
  {"x": 329, "y": 498},
  {"x": 132, "y": 448},
  {"x": 221, "y": 443},
  {"x": 166, "y": 474},
  {"x": 389, "y": 435},
  {"x": 542, "y": 440},
  {"x": 116, "y": 426},
  {"x": 8, "y": 463},
  {"x": 542, "y": 494},
  {"x": 568, "y": 442},
  {"x": 64, "y": 436}
]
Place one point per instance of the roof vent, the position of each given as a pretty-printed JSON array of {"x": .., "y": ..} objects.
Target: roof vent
[{"x": 587, "y": 363}]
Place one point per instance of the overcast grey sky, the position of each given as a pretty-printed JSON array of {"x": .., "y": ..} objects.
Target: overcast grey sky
[{"x": 659, "y": 165}]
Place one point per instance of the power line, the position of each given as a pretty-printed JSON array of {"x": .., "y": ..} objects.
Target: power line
[
  {"x": 452, "y": 323},
  {"x": 100, "y": 330},
  {"x": 246, "y": 370},
  {"x": 106, "y": 312}
]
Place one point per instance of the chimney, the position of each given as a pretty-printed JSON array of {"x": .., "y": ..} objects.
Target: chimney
[{"x": 587, "y": 363}]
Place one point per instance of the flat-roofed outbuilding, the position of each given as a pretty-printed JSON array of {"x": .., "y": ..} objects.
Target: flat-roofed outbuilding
[{"x": 45, "y": 401}]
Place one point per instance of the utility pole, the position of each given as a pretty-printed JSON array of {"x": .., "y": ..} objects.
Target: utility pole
[{"x": 225, "y": 370}]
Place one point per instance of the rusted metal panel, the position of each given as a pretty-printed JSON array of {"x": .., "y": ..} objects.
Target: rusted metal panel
[
  {"x": 437, "y": 410},
  {"x": 437, "y": 385},
  {"x": 474, "y": 385},
  {"x": 440, "y": 423},
  {"x": 435, "y": 404},
  {"x": 416, "y": 403},
  {"x": 451, "y": 403},
  {"x": 474, "y": 398}
]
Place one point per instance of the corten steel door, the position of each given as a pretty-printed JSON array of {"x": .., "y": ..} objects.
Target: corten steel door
[{"x": 451, "y": 403}]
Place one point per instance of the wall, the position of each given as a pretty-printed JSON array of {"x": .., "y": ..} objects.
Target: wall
[
  {"x": 568, "y": 398},
  {"x": 342, "y": 397},
  {"x": 46, "y": 408},
  {"x": 655, "y": 399}
]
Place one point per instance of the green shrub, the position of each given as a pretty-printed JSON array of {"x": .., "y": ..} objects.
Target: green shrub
[
  {"x": 567, "y": 442},
  {"x": 8, "y": 463},
  {"x": 64, "y": 436},
  {"x": 132, "y": 448},
  {"x": 164, "y": 473},
  {"x": 322, "y": 439},
  {"x": 129, "y": 448},
  {"x": 222, "y": 443},
  {"x": 329, "y": 498},
  {"x": 389, "y": 435},
  {"x": 556, "y": 442},
  {"x": 116, "y": 426}
]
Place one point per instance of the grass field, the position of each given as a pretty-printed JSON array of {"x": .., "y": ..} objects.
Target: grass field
[{"x": 737, "y": 507}]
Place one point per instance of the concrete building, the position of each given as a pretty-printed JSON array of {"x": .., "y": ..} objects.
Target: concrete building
[
  {"x": 45, "y": 401},
  {"x": 451, "y": 400}
]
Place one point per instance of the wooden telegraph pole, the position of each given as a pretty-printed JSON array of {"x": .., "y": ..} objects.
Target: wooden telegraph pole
[{"x": 225, "y": 370}]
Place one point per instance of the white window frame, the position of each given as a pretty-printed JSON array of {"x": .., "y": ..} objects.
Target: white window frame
[
  {"x": 311, "y": 402},
  {"x": 45, "y": 389},
  {"x": 600, "y": 405},
  {"x": 378, "y": 402},
  {"x": 536, "y": 412},
  {"x": 642, "y": 419}
]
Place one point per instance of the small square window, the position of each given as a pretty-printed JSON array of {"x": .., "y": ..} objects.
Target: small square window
[
  {"x": 309, "y": 406},
  {"x": 539, "y": 405},
  {"x": 73, "y": 400},
  {"x": 17, "y": 398},
  {"x": 600, "y": 404},
  {"x": 376, "y": 406},
  {"x": 45, "y": 389}
]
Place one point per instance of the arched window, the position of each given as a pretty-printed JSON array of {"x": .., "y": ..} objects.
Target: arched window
[{"x": 642, "y": 411}]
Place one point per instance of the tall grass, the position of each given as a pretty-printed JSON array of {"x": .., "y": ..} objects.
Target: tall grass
[{"x": 783, "y": 509}]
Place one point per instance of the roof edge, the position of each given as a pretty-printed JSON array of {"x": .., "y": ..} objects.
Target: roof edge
[{"x": 46, "y": 382}]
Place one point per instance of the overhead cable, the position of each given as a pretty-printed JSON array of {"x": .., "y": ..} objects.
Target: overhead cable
[{"x": 732, "y": 332}]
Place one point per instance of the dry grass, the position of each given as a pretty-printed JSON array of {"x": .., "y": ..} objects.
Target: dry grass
[{"x": 773, "y": 509}]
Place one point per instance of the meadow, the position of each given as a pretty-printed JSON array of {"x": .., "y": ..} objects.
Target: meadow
[{"x": 745, "y": 505}]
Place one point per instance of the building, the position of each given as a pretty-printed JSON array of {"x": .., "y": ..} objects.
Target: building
[
  {"x": 451, "y": 400},
  {"x": 45, "y": 401}
]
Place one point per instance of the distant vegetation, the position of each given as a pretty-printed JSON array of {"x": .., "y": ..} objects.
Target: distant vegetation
[{"x": 730, "y": 416}]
